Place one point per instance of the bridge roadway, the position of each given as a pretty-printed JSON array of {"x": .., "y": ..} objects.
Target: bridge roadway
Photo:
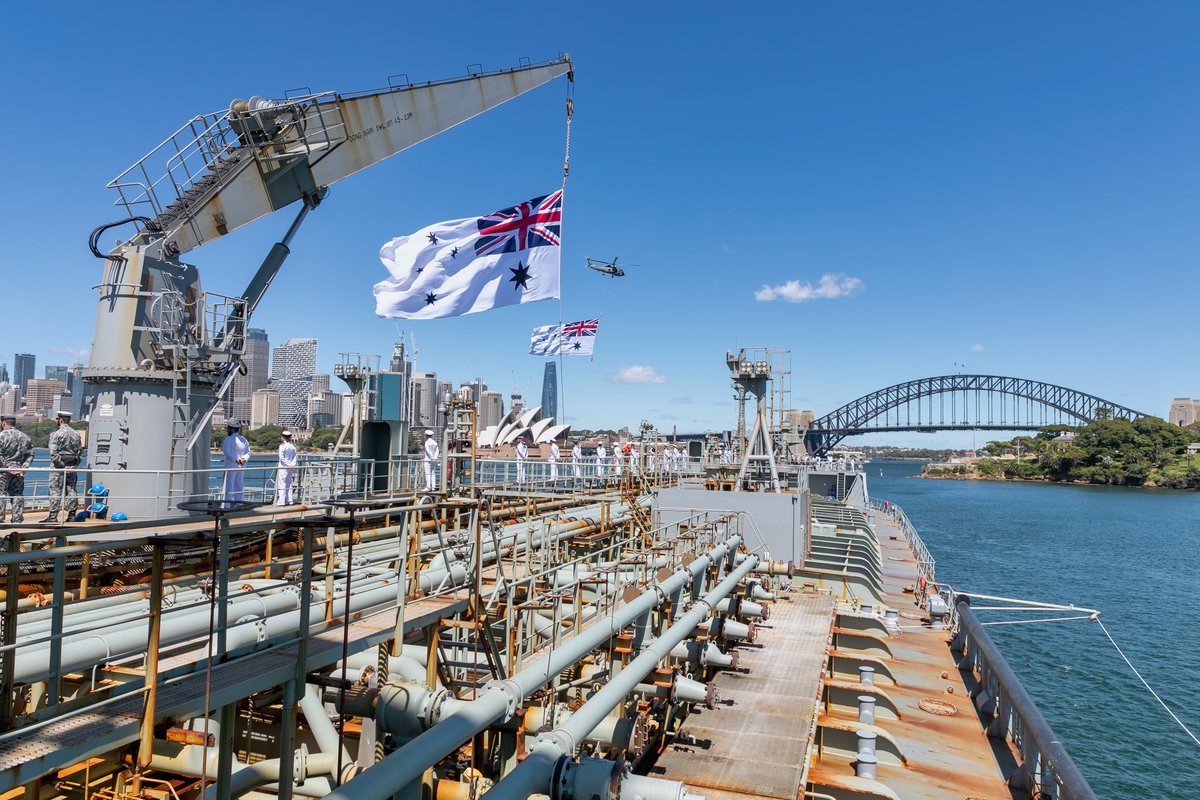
[{"x": 988, "y": 395}]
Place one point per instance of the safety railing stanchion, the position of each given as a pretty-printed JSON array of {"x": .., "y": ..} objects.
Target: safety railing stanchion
[
  {"x": 8, "y": 670},
  {"x": 54, "y": 689}
]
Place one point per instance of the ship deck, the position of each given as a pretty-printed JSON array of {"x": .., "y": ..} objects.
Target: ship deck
[
  {"x": 775, "y": 733},
  {"x": 756, "y": 741}
]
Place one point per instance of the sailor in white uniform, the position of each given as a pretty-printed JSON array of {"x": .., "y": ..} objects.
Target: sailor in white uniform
[
  {"x": 554, "y": 453},
  {"x": 236, "y": 452},
  {"x": 522, "y": 455},
  {"x": 285, "y": 473},
  {"x": 577, "y": 459},
  {"x": 430, "y": 458},
  {"x": 601, "y": 455}
]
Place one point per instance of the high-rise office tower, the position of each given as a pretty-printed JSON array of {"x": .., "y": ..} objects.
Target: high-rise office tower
[
  {"x": 3, "y": 373},
  {"x": 292, "y": 366},
  {"x": 425, "y": 400},
  {"x": 550, "y": 390},
  {"x": 24, "y": 365},
  {"x": 56, "y": 372},
  {"x": 257, "y": 358},
  {"x": 491, "y": 409}
]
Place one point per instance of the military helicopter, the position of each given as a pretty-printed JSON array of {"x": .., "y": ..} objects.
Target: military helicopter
[{"x": 609, "y": 268}]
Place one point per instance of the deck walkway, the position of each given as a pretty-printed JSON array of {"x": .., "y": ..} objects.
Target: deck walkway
[{"x": 756, "y": 741}]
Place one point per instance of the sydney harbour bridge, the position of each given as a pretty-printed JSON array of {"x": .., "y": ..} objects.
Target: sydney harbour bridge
[{"x": 961, "y": 402}]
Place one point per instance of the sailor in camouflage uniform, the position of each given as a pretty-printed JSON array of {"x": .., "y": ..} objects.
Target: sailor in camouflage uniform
[
  {"x": 16, "y": 456},
  {"x": 66, "y": 451}
]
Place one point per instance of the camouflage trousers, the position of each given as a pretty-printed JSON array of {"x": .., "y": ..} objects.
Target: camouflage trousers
[
  {"x": 12, "y": 486},
  {"x": 62, "y": 487}
]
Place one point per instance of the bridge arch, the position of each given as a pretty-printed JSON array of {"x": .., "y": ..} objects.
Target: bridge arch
[{"x": 975, "y": 390}]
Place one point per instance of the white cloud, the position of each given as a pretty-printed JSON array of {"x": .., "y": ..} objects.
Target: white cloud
[
  {"x": 726, "y": 249},
  {"x": 977, "y": 348},
  {"x": 79, "y": 354},
  {"x": 685, "y": 400},
  {"x": 831, "y": 286},
  {"x": 637, "y": 374}
]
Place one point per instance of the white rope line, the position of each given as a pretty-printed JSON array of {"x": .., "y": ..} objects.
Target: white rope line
[
  {"x": 1032, "y": 621},
  {"x": 1161, "y": 702}
]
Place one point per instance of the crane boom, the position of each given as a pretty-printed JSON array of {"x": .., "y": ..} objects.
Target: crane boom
[{"x": 220, "y": 172}]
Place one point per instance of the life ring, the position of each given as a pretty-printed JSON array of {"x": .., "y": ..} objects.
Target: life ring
[{"x": 921, "y": 584}]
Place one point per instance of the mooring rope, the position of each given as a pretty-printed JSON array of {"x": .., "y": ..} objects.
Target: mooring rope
[{"x": 1161, "y": 702}]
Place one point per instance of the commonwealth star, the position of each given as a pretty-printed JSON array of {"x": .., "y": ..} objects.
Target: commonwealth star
[{"x": 520, "y": 275}]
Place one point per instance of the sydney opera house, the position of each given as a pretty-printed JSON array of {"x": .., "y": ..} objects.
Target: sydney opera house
[{"x": 520, "y": 422}]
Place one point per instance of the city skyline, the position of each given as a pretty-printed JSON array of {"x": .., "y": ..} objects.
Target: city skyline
[{"x": 324, "y": 402}]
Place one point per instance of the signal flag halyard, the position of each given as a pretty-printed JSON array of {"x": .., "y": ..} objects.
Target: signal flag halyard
[{"x": 464, "y": 266}]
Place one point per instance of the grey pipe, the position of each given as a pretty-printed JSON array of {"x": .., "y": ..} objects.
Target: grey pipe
[
  {"x": 534, "y": 775},
  {"x": 500, "y": 700},
  {"x": 319, "y": 723}
]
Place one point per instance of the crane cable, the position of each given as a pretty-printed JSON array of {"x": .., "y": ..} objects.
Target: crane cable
[{"x": 561, "y": 400}]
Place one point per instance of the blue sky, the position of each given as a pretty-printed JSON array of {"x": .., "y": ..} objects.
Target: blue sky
[{"x": 1009, "y": 186}]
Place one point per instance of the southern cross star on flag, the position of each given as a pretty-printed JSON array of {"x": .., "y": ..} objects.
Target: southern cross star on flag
[{"x": 464, "y": 266}]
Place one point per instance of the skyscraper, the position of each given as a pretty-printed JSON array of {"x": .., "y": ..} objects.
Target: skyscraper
[
  {"x": 257, "y": 360},
  {"x": 425, "y": 399},
  {"x": 24, "y": 366},
  {"x": 550, "y": 390},
  {"x": 3, "y": 373},
  {"x": 56, "y": 372},
  {"x": 491, "y": 409},
  {"x": 264, "y": 408},
  {"x": 292, "y": 366}
]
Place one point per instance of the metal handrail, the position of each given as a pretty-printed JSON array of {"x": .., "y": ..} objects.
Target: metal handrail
[
  {"x": 926, "y": 564},
  {"x": 1002, "y": 699}
]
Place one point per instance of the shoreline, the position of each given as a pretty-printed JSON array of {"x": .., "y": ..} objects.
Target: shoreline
[{"x": 1003, "y": 479}]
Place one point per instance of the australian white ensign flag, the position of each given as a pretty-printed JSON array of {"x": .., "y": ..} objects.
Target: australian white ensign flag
[
  {"x": 467, "y": 265},
  {"x": 570, "y": 339}
]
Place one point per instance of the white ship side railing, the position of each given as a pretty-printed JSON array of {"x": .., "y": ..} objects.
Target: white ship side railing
[{"x": 926, "y": 565}]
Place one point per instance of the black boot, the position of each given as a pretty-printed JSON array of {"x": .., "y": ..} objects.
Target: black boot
[{"x": 49, "y": 518}]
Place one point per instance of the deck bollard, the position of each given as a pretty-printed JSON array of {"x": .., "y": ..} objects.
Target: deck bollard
[
  {"x": 866, "y": 743},
  {"x": 866, "y": 676},
  {"x": 864, "y": 767},
  {"x": 866, "y": 709}
]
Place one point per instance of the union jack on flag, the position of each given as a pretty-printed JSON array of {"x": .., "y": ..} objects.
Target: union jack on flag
[
  {"x": 535, "y": 223},
  {"x": 585, "y": 327}
]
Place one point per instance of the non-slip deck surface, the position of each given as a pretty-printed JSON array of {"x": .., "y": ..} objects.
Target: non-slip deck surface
[{"x": 755, "y": 742}]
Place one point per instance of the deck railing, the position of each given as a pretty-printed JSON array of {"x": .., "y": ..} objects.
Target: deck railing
[{"x": 1045, "y": 769}]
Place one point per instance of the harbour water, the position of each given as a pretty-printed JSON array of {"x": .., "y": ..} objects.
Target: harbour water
[{"x": 1134, "y": 554}]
